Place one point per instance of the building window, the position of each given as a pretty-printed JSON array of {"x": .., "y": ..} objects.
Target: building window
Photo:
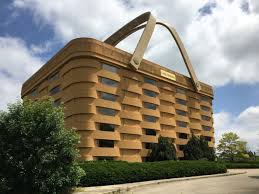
[
  {"x": 181, "y": 112},
  {"x": 33, "y": 92},
  {"x": 107, "y": 96},
  {"x": 148, "y": 145},
  {"x": 109, "y": 82},
  {"x": 105, "y": 143},
  {"x": 150, "y": 93},
  {"x": 57, "y": 102},
  {"x": 181, "y": 124},
  {"x": 205, "y": 118},
  {"x": 104, "y": 158},
  {"x": 205, "y": 108},
  {"x": 110, "y": 68},
  {"x": 106, "y": 127},
  {"x": 181, "y": 147},
  {"x": 183, "y": 135},
  {"x": 207, "y": 138},
  {"x": 149, "y": 81},
  {"x": 206, "y": 128},
  {"x": 54, "y": 77},
  {"x": 150, "y": 105},
  {"x": 150, "y": 118},
  {"x": 205, "y": 98},
  {"x": 107, "y": 111},
  {"x": 181, "y": 101},
  {"x": 55, "y": 90},
  {"x": 150, "y": 132},
  {"x": 179, "y": 90}
]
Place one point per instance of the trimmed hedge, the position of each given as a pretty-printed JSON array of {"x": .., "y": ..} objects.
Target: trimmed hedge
[
  {"x": 118, "y": 172},
  {"x": 233, "y": 165}
]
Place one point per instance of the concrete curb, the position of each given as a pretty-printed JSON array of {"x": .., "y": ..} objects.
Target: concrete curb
[{"x": 123, "y": 188}]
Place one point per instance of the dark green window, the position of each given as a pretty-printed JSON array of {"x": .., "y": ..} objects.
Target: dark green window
[
  {"x": 55, "y": 90},
  {"x": 150, "y": 93},
  {"x": 205, "y": 108},
  {"x": 179, "y": 90},
  {"x": 205, "y": 98},
  {"x": 54, "y": 77},
  {"x": 150, "y": 105},
  {"x": 107, "y": 111},
  {"x": 107, "y": 96},
  {"x": 149, "y": 81},
  {"x": 181, "y": 112},
  {"x": 110, "y": 68},
  {"x": 180, "y": 101},
  {"x": 109, "y": 82},
  {"x": 181, "y": 124},
  {"x": 205, "y": 118},
  {"x": 150, "y": 118},
  {"x": 150, "y": 132},
  {"x": 105, "y": 143},
  {"x": 106, "y": 127},
  {"x": 34, "y": 92},
  {"x": 183, "y": 135},
  {"x": 206, "y": 128}
]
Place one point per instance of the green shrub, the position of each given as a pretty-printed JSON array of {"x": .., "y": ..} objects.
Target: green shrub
[
  {"x": 118, "y": 172},
  {"x": 197, "y": 148},
  {"x": 241, "y": 164},
  {"x": 37, "y": 154},
  {"x": 163, "y": 150}
]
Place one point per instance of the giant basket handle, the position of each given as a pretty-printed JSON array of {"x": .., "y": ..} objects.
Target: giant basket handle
[
  {"x": 143, "y": 41},
  {"x": 138, "y": 54}
]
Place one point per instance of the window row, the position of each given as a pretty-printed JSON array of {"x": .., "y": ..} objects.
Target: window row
[
  {"x": 148, "y": 145},
  {"x": 150, "y": 93},
  {"x": 114, "y": 69},
  {"x": 111, "y": 128}
]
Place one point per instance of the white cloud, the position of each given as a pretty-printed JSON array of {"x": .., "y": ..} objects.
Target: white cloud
[
  {"x": 16, "y": 65},
  {"x": 222, "y": 45},
  {"x": 246, "y": 125}
]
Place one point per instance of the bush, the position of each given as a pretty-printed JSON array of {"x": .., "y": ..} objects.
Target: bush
[
  {"x": 197, "y": 148},
  {"x": 37, "y": 154},
  {"x": 163, "y": 150},
  {"x": 118, "y": 172},
  {"x": 241, "y": 164}
]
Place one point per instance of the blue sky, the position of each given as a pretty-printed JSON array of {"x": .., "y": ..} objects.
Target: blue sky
[{"x": 220, "y": 37}]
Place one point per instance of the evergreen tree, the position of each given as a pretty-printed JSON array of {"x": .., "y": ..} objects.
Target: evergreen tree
[
  {"x": 197, "y": 148},
  {"x": 163, "y": 150}
]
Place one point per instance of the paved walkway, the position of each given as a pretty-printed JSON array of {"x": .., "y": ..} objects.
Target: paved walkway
[
  {"x": 231, "y": 182},
  {"x": 239, "y": 184}
]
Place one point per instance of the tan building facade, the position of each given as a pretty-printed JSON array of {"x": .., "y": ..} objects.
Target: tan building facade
[{"x": 117, "y": 110}]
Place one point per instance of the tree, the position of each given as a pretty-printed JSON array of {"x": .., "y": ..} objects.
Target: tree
[
  {"x": 163, "y": 150},
  {"x": 197, "y": 148},
  {"x": 37, "y": 154},
  {"x": 231, "y": 148}
]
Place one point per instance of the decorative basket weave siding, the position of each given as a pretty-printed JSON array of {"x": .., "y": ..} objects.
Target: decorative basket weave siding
[{"x": 143, "y": 100}]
